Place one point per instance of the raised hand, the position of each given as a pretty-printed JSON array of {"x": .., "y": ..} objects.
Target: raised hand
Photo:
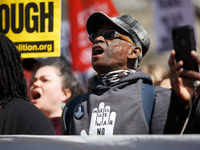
[
  {"x": 102, "y": 121},
  {"x": 182, "y": 80}
]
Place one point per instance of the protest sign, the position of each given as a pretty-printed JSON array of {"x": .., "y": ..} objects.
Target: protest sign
[
  {"x": 170, "y": 13},
  {"x": 79, "y": 11},
  {"x": 34, "y": 26}
]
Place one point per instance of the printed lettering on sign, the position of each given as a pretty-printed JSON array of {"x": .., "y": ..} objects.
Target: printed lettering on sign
[
  {"x": 100, "y": 131},
  {"x": 167, "y": 14},
  {"x": 34, "y": 26}
]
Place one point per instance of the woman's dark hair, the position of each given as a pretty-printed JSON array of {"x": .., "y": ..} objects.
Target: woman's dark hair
[
  {"x": 69, "y": 79},
  {"x": 12, "y": 80}
]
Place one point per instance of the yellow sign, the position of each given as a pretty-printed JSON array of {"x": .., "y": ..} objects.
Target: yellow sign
[{"x": 34, "y": 26}]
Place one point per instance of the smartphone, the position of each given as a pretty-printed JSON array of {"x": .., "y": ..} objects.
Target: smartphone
[{"x": 184, "y": 42}]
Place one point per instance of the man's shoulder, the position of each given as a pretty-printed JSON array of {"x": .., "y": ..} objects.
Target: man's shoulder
[
  {"x": 21, "y": 104},
  {"x": 159, "y": 89},
  {"x": 16, "y": 104},
  {"x": 24, "y": 109},
  {"x": 77, "y": 99}
]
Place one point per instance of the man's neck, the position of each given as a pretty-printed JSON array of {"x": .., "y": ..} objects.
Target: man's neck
[{"x": 113, "y": 76}]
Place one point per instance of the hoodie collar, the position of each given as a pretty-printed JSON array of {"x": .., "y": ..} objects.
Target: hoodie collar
[{"x": 113, "y": 76}]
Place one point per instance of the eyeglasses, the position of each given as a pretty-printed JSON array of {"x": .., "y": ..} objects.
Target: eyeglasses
[{"x": 110, "y": 34}]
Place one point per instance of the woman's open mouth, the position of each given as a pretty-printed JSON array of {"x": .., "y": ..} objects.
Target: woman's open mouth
[{"x": 36, "y": 95}]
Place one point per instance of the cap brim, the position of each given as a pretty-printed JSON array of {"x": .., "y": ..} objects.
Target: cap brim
[
  {"x": 28, "y": 63},
  {"x": 97, "y": 20}
]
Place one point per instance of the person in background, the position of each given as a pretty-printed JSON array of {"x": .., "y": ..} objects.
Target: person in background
[
  {"x": 166, "y": 82},
  {"x": 156, "y": 72},
  {"x": 160, "y": 76},
  {"x": 53, "y": 85},
  {"x": 184, "y": 113},
  {"x": 18, "y": 115}
]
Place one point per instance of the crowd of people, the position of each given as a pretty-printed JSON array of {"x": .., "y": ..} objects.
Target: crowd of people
[{"x": 120, "y": 98}]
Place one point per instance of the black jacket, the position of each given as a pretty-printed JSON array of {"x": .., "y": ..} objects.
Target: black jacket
[
  {"x": 21, "y": 117},
  {"x": 176, "y": 118}
]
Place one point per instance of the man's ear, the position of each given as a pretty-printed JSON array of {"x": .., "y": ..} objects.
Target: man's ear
[
  {"x": 67, "y": 93},
  {"x": 134, "y": 52}
]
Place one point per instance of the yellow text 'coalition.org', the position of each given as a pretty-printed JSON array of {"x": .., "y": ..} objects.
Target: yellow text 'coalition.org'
[{"x": 31, "y": 47}]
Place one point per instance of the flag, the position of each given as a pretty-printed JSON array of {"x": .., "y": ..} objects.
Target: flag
[{"x": 79, "y": 11}]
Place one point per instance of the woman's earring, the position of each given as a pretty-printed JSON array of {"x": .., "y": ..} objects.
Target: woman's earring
[{"x": 63, "y": 105}]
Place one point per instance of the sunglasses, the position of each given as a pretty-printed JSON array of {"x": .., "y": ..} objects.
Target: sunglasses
[{"x": 110, "y": 34}]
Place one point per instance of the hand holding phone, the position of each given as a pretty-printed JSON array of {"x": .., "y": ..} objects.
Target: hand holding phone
[{"x": 184, "y": 42}]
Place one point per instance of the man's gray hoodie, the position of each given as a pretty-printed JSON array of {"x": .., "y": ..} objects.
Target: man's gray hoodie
[{"x": 118, "y": 108}]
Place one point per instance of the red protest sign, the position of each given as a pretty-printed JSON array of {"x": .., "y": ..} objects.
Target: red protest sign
[{"x": 79, "y": 11}]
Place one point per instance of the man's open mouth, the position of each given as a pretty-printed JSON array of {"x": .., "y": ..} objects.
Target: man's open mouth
[{"x": 98, "y": 51}]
